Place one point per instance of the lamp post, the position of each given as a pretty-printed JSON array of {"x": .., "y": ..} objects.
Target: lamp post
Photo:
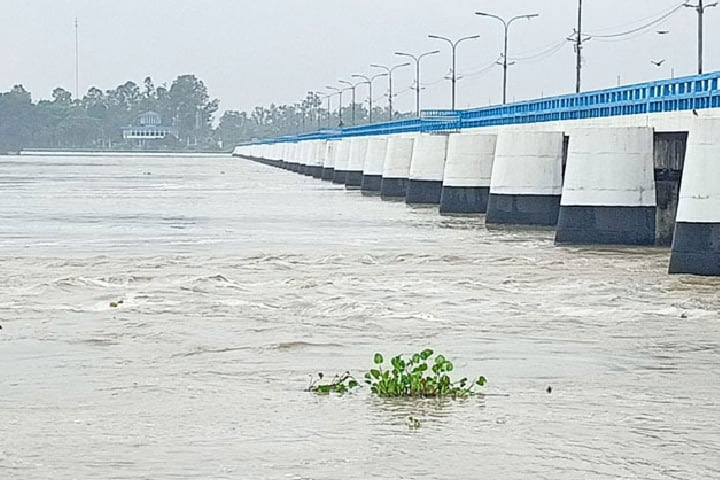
[
  {"x": 318, "y": 107},
  {"x": 417, "y": 59},
  {"x": 340, "y": 92},
  {"x": 352, "y": 87},
  {"x": 369, "y": 82},
  {"x": 700, "y": 8},
  {"x": 506, "y": 25},
  {"x": 328, "y": 97},
  {"x": 454, "y": 45},
  {"x": 390, "y": 71}
]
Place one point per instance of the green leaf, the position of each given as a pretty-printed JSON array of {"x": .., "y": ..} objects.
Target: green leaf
[
  {"x": 375, "y": 373},
  {"x": 439, "y": 360},
  {"x": 416, "y": 358},
  {"x": 448, "y": 366},
  {"x": 480, "y": 381},
  {"x": 352, "y": 384},
  {"x": 378, "y": 359}
]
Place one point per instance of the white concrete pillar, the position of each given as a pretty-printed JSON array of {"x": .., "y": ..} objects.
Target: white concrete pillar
[
  {"x": 278, "y": 154},
  {"x": 358, "y": 152},
  {"x": 294, "y": 157},
  {"x": 696, "y": 245},
  {"x": 316, "y": 158},
  {"x": 304, "y": 151},
  {"x": 427, "y": 169},
  {"x": 342, "y": 160},
  {"x": 609, "y": 192},
  {"x": 374, "y": 161},
  {"x": 396, "y": 169},
  {"x": 526, "y": 182},
  {"x": 284, "y": 150},
  {"x": 468, "y": 170},
  {"x": 329, "y": 165}
]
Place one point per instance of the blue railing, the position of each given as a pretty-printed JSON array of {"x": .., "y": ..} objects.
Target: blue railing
[{"x": 672, "y": 95}]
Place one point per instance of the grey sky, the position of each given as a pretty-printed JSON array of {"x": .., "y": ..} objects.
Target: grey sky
[{"x": 253, "y": 52}]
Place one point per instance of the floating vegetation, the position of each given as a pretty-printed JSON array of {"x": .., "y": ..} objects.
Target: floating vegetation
[
  {"x": 422, "y": 374},
  {"x": 337, "y": 384},
  {"x": 414, "y": 423},
  {"x": 418, "y": 375}
]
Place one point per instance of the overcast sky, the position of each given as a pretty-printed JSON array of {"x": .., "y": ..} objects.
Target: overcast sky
[{"x": 254, "y": 52}]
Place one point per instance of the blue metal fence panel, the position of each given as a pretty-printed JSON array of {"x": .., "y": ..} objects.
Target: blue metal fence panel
[{"x": 671, "y": 95}]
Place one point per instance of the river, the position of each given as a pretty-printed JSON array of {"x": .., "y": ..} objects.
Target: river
[{"x": 235, "y": 281}]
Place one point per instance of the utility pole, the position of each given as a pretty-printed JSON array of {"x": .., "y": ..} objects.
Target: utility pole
[
  {"x": 700, "y": 8},
  {"x": 454, "y": 46},
  {"x": 77, "y": 62},
  {"x": 578, "y": 50}
]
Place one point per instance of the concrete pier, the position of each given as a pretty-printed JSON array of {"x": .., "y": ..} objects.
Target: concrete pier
[
  {"x": 396, "y": 169},
  {"x": 427, "y": 169},
  {"x": 315, "y": 158},
  {"x": 526, "y": 182},
  {"x": 342, "y": 160},
  {"x": 374, "y": 162},
  {"x": 293, "y": 164},
  {"x": 696, "y": 245},
  {"x": 329, "y": 165},
  {"x": 609, "y": 192},
  {"x": 468, "y": 170},
  {"x": 304, "y": 152},
  {"x": 358, "y": 153}
]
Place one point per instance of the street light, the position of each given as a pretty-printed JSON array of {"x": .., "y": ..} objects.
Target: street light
[
  {"x": 390, "y": 71},
  {"x": 319, "y": 107},
  {"x": 454, "y": 45},
  {"x": 327, "y": 97},
  {"x": 506, "y": 25},
  {"x": 369, "y": 82},
  {"x": 417, "y": 59},
  {"x": 352, "y": 86},
  {"x": 340, "y": 92}
]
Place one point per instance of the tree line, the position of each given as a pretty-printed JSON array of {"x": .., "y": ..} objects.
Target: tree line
[{"x": 96, "y": 120}]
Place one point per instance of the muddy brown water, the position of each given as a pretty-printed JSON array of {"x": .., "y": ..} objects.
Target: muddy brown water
[{"x": 237, "y": 281}]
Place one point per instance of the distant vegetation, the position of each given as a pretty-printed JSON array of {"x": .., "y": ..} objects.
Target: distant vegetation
[{"x": 96, "y": 120}]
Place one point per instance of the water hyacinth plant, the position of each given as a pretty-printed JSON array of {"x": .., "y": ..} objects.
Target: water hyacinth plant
[
  {"x": 338, "y": 384},
  {"x": 418, "y": 375}
]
